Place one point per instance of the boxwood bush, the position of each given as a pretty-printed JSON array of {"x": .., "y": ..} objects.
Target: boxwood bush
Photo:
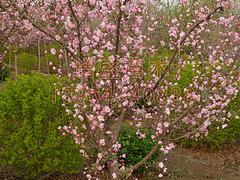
[{"x": 31, "y": 144}]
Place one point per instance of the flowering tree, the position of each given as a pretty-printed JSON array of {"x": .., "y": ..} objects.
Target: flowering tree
[
  {"x": 14, "y": 31},
  {"x": 108, "y": 42}
]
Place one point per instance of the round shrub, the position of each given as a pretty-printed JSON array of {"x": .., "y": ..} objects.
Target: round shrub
[
  {"x": 31, "y": 144},
  {"x": 135, "y": 148}
]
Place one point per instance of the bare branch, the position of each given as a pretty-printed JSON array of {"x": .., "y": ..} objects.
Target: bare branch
[{"x": 78, "y": 29}]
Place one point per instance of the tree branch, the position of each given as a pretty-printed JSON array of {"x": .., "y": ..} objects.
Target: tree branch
[
  {"x": 78, "y": 30},
  {"x": 8, "y": 35}
]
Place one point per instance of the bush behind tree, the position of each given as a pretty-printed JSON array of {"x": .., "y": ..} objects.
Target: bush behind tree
[
  {"x": 31, "y": 144},
  {"x": 136, "y": 148}
]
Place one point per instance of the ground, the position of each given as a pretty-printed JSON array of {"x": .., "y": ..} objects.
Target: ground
[
  {"x": 205, "y": 164},
  {"x": 202, "y": 164}
]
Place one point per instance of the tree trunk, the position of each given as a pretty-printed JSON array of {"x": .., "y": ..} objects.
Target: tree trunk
[
  {"x": 10, "y": 58},
  {"x": 66, "y": 62},
  {"x": 39, "y": 57},
  {"x": 113, "y": 173},
  {"x": 16, "y": 68}
]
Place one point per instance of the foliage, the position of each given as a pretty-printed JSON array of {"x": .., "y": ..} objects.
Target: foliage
[
  {"x": 136, "y": 148},
  {"x": 28, "y": 62},
  {"x": 187, "y": 75},
  {"x": 31, "y": 144},
  {"x": 218, "y": 136},
  {"x": 4, "y": 73}
]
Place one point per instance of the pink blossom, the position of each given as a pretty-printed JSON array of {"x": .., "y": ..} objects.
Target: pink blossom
[
  {"x": 53, "y": 51},
  {"x": 184, "y": 1}
]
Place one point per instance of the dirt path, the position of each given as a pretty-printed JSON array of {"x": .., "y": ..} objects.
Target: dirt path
[{"x": 204, "y": 164}]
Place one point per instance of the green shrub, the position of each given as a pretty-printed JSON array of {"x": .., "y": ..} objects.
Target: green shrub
[
  {"x": 217, "y": 136},
  {"x": 135, "y": 148},
  {"x": 4, "y": 73},
  {"x": 31, "y": 144}
]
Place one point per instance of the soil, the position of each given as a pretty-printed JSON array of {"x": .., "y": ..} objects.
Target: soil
[{"x": 203, "y": 164}]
